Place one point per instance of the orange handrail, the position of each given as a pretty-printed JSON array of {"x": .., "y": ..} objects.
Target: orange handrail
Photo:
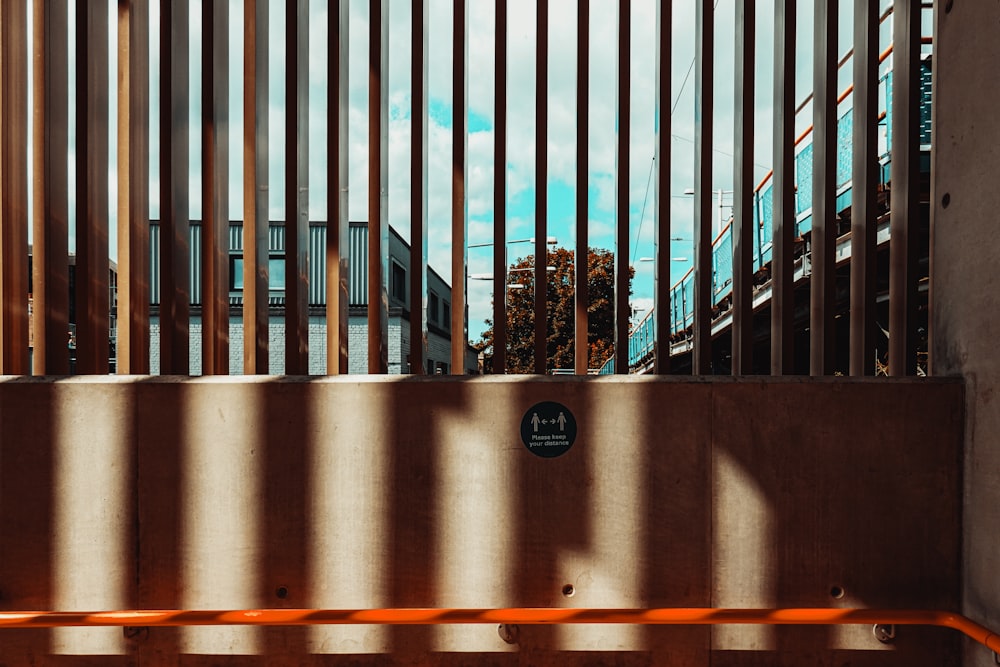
[{"x": 514, "y": 615}]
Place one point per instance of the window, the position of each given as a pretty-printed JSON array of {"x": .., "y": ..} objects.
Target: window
[
  {"x": 434, "y": 309},
  {"x": 446, "y": 321},
  {"x": 398, "y": 282},
  {"x": 275, "y": 270}
]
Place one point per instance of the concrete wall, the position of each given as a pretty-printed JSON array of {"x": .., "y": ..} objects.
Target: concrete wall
[
  {"x": 367, "y": 492},
  {"x": 964, "y": 277}
]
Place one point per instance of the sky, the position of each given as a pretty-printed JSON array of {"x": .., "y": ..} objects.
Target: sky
[{"x": 521, "y": 182}]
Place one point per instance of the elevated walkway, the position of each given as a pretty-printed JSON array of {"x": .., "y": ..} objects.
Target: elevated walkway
[{"x": 643, "y": 335}]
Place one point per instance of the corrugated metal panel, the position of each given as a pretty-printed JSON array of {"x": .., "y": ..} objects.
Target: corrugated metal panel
[
  {"x": 236, "y": 238},
  {"x": 154, "y": 263},
  {"x": 196, "y": 268},
  {"x": 359, "y": 264},
  {"x": 317, "y": 265},
  {"x": 276, "y": 239}
]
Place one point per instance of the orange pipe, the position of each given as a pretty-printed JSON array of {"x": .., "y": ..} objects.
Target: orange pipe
[{"x": 526, "y": 616}]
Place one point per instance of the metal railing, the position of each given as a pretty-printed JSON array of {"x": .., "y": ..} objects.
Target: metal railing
[
  {"x": 642, "y": 339},
  {"x": 513, "y": 615},
  {"x": 48, "y": 73}
]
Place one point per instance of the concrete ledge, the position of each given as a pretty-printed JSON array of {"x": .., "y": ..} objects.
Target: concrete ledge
[{"x": 366, "y": 492}]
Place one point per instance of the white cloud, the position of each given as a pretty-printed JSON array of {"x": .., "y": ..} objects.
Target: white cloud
[{"x": 520, "y": 169}]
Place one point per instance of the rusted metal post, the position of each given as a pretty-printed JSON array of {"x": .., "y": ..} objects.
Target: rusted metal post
[
  {"x": 459, "y": 183},
  {"x": 663, "y": 308},
  {"x": 378, "y": 184},
  {"x": 338, "y": 225},
  {"x": 623, "y": 309},
  {"x": 824, "y": 195},
  {"x": 418, "y": 188},
  {"x": 863, "y": 194},
  {"x": 541, "y": 183},
  {"x": 904, "y": 219},
  {"x": 581, "y": 269},
  {"x": 175, "y": 229},
  {"x": 133, "y": 188},
  {"x": 14, "y": 188},
  {"x": 93, "y": 301},
  {"x": 215, "y": 187},
  {"x": 297, "y": 190},
  {"x": 256, "y": 219},
  {"x": 743, "y": 230},
  {"x": 50, "y": 197},
  {"x": 782, "y": 276},
  {"x": 704, "y": 100},
  {"x": 500, "y": 196}
]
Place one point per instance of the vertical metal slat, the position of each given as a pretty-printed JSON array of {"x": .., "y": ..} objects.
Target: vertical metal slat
[
  {"x": 337, "y": 252},
  {"x": 255, "y": 187},
  {"x": 215, "y": 188},
  {"x": 824, "y": 203},
  {"x": 863, "y": 203},
  {"x": 623, "y": 136},
  {"x": 297, "y": 190},
  {"x": 541, "y": 183},
  {"x": 50, "y": 141},
  {"x": 418, "y": 190},
  {"x": 905, "y": 179},
  {"x": 175, "y": 260},
  {"x": 378, "y": 182},
  {"x": 743, "y": 186},
  {"x": 782, "y": 268},
  {"x": 701, "y": 363},
  {"x": 459, "y": 180},
  {"x": 581, "y": 347},
  {"x": 662, "y": 307},
  {"x": 500, "y": 196},
  {"x": 13, "y": 188},
  {"x": 92, "y": 263}
]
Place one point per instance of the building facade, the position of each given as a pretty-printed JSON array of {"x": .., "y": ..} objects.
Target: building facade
[{"x": 400, "y": 303}]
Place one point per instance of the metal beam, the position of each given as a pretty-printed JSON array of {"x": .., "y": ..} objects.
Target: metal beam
[
  {"x": 337, "y": 241},
  {"x": 418, "y": 189},
  {"x": 623, "y": 272},
  {"x": 14, "y": 188},
  {"x": 744, "y": 233},
  {"x": 215, "y": 187},
  {"x": 500, "y": 196},
  {"x": 297, "y": 189},
  {"x": 378, "y": 186},
  {"x": 663, "y": 308},
  {"x": 93, "y": 301},
  {"x": 175, "y": 227},
  {"x": 863, "y": 195},
  {"x": 459, "y": 184},
  {"x": 133, "y": 188},
  {"x": 256, "y": 218},
  {"x": 824, "y": 195},
  {"x": 541, "y": 183},
  {"x": 581, "y": 269},
  {"x": 50, "y": 196},
  {"x": 704, "y": 100},
  {"x": 905, "y": 223},
  {"x": 782, "y": 268}
]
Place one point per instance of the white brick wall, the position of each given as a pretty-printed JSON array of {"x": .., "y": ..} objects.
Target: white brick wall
[{"x": 399, "y": 346}]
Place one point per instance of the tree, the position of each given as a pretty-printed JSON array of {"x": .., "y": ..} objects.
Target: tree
[{"x": 560, "y": 298}]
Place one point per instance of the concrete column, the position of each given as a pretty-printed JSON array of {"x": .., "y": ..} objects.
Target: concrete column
[{"x": 964, "y": 279}]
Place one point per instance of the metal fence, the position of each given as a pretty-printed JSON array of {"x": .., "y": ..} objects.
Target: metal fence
[{"x": 765, "y": 223}]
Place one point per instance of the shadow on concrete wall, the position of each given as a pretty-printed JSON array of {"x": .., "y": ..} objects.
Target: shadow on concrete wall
[{"x": 296, "y": 492}]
